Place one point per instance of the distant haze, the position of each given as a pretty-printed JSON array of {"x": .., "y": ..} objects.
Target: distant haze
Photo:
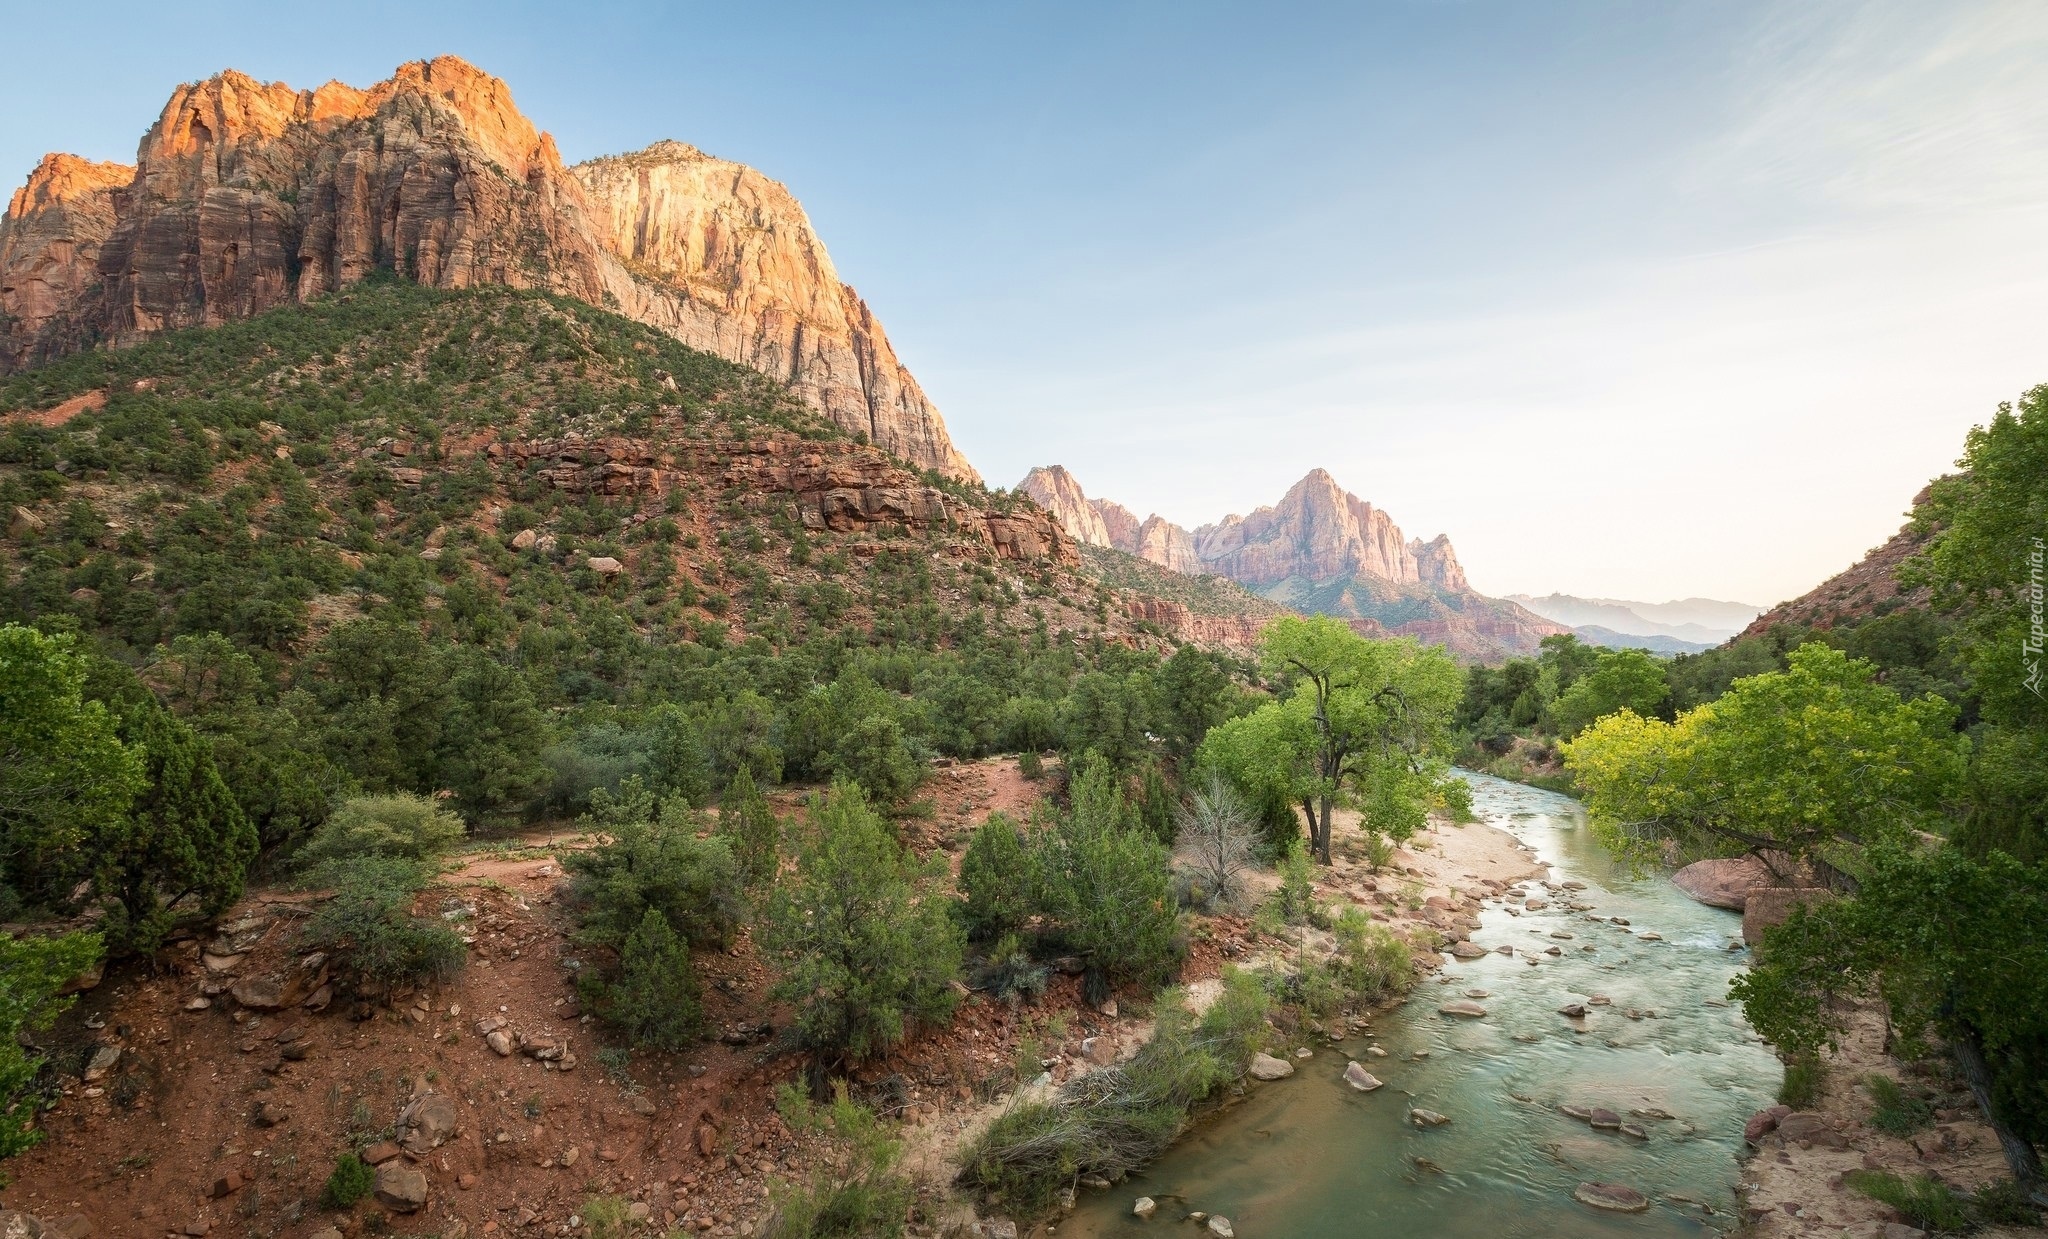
[
  {"x": 1704, "y": 620},
  {"x": 1630, "y": 300}
]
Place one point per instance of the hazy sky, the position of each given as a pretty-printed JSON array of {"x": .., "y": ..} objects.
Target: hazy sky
[{"x": 1631, "y": 299}]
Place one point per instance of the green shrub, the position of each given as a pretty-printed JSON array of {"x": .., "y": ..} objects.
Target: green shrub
[
  {"x": 607, "y": 1217},
  {"x": 351, "y": 1180},
  {"x": 694, "y": 883},
  {"x": 32, "y": 970},
  {"x": 402, "y": 825},
  {"x": 996, "y": 877},
  {"x": 652, "y": 996},
  {"x": 2004, "y": 1203},
  {"x": 1295, "y": 899},
  {"x": 1031, "y": 765},
  {"x": 1102, "y": 878},
  {"x": 858, "y": 1195},
  {"x": 1895, "y": 1112},
  {"x": 1804, "y": 1076},
  {"x": 1372, "y": 962},
  {"x": 368, "y": 926},
  {"x": 867, "y": 939},
  {"x": 1117, "y": 1118},
  {"x": 1925, "y": 1202}
]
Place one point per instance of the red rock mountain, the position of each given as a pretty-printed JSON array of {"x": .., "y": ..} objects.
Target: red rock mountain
[
  {"x": 248, "y": 195},
  {"x": 1321, "y": 550}
]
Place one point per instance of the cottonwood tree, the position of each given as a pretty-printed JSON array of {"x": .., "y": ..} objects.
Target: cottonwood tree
[
  {"x": 1364, "y": 724},
  {"x": 1811, "y": 763}
]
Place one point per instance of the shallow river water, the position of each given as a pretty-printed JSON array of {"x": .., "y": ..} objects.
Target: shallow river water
[{"x": 1308, "y": 1156}]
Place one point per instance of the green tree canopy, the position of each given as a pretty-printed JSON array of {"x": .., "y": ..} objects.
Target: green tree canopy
[
  {"x": 1814, "y": 762},
  {"x": 1620, "y": 680}
]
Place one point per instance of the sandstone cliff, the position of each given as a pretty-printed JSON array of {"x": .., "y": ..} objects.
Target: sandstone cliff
[
  {"x": 1057, "y": 491},
  {"x": 248, "y": 195},
  {"x": 1105, "y": 522},
  {"x": 1317, "y": 532}
]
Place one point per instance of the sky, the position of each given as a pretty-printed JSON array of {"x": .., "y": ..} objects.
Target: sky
[{"x": 1631, "y": 300}]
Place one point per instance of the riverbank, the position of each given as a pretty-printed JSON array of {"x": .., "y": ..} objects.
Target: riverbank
[{"x": 1792, "y": 1183}]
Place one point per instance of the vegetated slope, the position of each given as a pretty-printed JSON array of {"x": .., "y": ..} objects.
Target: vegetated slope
[
  {"x": 1207, "y": 609},
  {"x": 248, "y": 195},
  {"x": 1607, "y": 638},
  {"x": 1866, "y": 588},
  {"x": 485, "y": 459}
]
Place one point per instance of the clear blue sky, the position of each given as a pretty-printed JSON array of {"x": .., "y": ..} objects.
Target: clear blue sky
[{"x": 1632, "y": 299}]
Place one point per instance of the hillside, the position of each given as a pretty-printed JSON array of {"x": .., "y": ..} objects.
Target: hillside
[
  {"x": 1869, "y": 587},
  {"x": 247, "y": 195},
  {"x": 482, "y": 460}
]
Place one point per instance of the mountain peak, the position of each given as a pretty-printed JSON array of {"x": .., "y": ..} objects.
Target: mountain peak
[{"x": 248, "y": 195}]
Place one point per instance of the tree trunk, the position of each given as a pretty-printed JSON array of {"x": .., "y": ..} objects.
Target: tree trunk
[
  {"x": 1323, "y": 839},
  {"x": 1968, "y": 1049}
]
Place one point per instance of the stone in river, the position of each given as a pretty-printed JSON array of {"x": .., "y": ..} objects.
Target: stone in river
[
  {"x": 1468, "y": 950},
  {"x": 1604, "y": 1119},
  {"x": 1611, "y": 1196},
  {"x": 1427, "y": 1118},
  {"x": 1266, "y": 1067},
  {"x": 1598, "y": 1000},
  {"x": 1144, "y": 1206},
  {"x": 1462, "y": 1007},
  {"x": 1219, "y": 1226},
  {"x": 1478, "y": 993},
  {"x": 1573, "y": 1010},
  {"x": 1359, "y": 1078},
  {"x": 1580, "y": 1113},
  {"x": 1650, "y": 935},
  {"x": 1375, "y": 1051},
  {"x": 1634, "y": 1131}
]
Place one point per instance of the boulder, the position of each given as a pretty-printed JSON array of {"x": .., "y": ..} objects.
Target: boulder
[
  {"x": 1770, "y": 907},
  {"x": 1219, "y": 1226},
  {"x": 1723, "y": 883},
  {"x": 401, "y": 1186},
  {"x": 1144, "y": 1207},
  {"x": 432, "y": 1121},
  {"x": 1611, "y": 1196},
  {"x": 1427, "y": 1118},
  {"x": 1573, "y": 1010},
  {"x": 1266, "y": 1067},
  {"x": 1359, "y": 1078},
  {"x": 524, "y": 540},
  {"x": 1763, "y": 1123},
  {"x": 1464, "y": 1008},
  {"x": 1811, "y": 1128},
  {"x": 605, "y": 565},
  {"x": 1468, "y": 950}
]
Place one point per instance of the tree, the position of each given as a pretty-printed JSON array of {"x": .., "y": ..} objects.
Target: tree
[
  {"x": 183, "y": 839},
  {"x": 1367, "y": 723},
  {"x": 1216, "y": 839},
  {"x": 1620, "y": 680},
  {"x": 996, "y": 878},
  {"x": 32, "y": 971},
  {"x": 653, "y": 997},
  {"x": 1987, "y": 561},
  {"x": 1813, "y": 763},
  {"x": 397, "y": 825},
  {"x": 1958, "y": 949},
  {"x": 750, "y": 828},
  {"x": 640, "y": 864},
  {"x": 869, "y": 947},
  {"x": 490, "y": 738},
  {"x": 66, "y": 779},
  {"x": 1193, "y": 692},
  {"x": 1102, "y": 880}
]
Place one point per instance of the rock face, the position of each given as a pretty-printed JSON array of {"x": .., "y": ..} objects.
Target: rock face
[
  {"x": 1772, "y": 906},
  {"x": 50, "y": 244},
  {"x": 248, "y": 195},
  {"x": 1104, "y": 522},
  {"x": 1060, "y": 494},
  {"x": 1318, "y": 532},
  {"x": 1724, "y": 883}
]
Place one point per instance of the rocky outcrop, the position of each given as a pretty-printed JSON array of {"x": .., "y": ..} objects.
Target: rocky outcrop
[
  {"x": 248, "y": 195},
  {"x": 1166, "y": 544},
  {"x": 1436, "y": 564},
  {"x": 1059, "y": 493},
  {"x": 50, "y": 244},
  {"x": 846, "y": 491},
  {"x": 1176, "y": 620}
]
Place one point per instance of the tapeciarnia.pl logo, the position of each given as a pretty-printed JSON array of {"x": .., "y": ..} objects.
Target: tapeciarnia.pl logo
[{"x": 2037, "y": 632}]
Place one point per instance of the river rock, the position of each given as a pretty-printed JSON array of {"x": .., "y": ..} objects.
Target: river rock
[
  {"x": 1266, "y": 1067},
  {"x": 1603, "y": 1119},
  {"x": 1427, "y": 1118},
  {"x": 1570, "y": 1111},
  {"x": 1763, "y": 1123},
  {"x": 1573, "y": 1010},
  {"x": 1464, "y": 1008},
  {"x": 1633, "y": 1131},
  {"x": 1650, "y": 935},
  {"x": 1219, "y": 1226},
  {"x": 1144, "y": 1206},
  {"x": 1723, "y": 883},
  {"x": 1611, "y": 1196},
  {"x": 1359, "y": 1078},
  {"x": 1375, "y": 1051},
  {"x": 1811, "y": 1128},
  {"x": 1468, "y": 950}
]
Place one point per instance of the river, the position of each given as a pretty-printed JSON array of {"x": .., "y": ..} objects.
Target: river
[{"x": 1308, "y": 1156}]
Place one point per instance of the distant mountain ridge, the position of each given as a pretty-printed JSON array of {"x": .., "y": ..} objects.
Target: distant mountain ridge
[
  {"x": 1320, "y": 550},
  {"x": 1696, "y": 622}
]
